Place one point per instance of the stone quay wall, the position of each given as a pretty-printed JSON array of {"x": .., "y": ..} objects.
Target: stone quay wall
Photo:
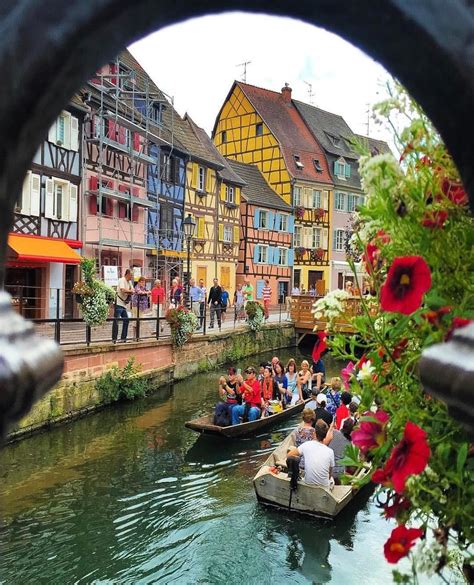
[{"x": 76, "y": 393}]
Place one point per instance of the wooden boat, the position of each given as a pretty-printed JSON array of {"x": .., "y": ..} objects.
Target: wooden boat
[
  {"x": 205, "y": 426},
  {"x": 273, "y": 488}
]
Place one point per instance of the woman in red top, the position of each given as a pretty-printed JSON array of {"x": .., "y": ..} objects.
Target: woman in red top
[
  {"x": 252, "y": 395},
  {"x": 343, "y": 411}
]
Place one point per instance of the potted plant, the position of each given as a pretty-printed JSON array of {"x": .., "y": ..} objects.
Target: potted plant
[
  {"x": 254, "y": 315},
  {"x": 183, "y": 323},
  {"x": 299, "y": 212},
  {"x": 300, "y": 251},
  {"x": 80, "y": 290},
  {"x": 319, "y": 213},
  {"x": 94, "y": 295}
]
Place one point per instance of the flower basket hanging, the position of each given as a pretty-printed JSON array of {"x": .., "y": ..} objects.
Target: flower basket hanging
[
  {"x": 183, "y": 324},
  {"x": 300, "y": 251},
  {"x": 299, "y": 212},
  {"x": 319, "y": 213},
  {"x": 93, "y": 295}
]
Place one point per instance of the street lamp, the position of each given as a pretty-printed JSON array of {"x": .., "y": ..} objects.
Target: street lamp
[{"x": 189, "y": 225}]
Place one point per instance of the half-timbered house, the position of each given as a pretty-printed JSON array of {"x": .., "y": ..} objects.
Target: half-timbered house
[
  {"x": 266, "y": 228},
  {"x": 213, "y": 194},
  {"x": 338, "y": 141},
  {"x": 264, "y": 128},
  {"x": 42, "y": 261}
]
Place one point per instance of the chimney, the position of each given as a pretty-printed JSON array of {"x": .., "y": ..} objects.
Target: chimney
[{"x": 286, "y": 93}]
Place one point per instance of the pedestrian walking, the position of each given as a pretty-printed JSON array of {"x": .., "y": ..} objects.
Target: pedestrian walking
[
  {"x": 196, "y": 298},
  {"x": 214, "y": 301},
  {"x": 176, "y": 293},
  {"x": 247, "y": 290},
  {"x": 225, "y": 302},
  {"x": 239, "y": 303},
  {"x": 140, "y": 302},
  {"x": 124, "y": 292},
  {"x": 202, "y": 304},
  {"x": 267, "y": 297}
]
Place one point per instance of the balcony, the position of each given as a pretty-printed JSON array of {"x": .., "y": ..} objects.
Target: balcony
[{"x": 311, "y": 256}]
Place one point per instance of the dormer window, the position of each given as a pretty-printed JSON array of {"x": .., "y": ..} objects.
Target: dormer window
[
  {"x": 335, "y": 140},
  {"x": 317, "y": 165},
  {"x": 342, "y": 170},
  {"x": 223, "y": 137},
  {"x": 298, "y": 163},
  {"x": 156, "y": 113}
]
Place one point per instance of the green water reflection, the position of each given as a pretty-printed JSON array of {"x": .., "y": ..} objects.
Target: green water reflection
[{"x": 130, "y": 496}]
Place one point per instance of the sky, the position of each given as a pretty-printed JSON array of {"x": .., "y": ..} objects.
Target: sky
[{"x": 196, "y": 61}]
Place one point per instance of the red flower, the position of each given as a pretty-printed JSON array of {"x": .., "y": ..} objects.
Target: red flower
[
  {"x": 434, "y": 317},
  {"x": 395, "y": 505},
  {"x": 409, "y": 457},
  {"x": 454, "y": 192},
  {"x": 400, "y": 542},
  {"x": 361, "y": 362},
  {"x": 370, "y": 432},
  {"x": 399, "y": 348},
  {"x": 408, "y": 279},
  {"x": 457, "y": 323},
  {"x": 434, "y": 219}
]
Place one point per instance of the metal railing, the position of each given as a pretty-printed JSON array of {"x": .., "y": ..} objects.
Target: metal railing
[{"x": 140, "y": 326}]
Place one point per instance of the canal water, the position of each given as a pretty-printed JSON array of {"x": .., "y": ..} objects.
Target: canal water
[{"x": 128, "y": 495}]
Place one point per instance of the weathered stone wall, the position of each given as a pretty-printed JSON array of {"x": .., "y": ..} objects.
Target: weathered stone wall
[{"x": 76, "y": 394}]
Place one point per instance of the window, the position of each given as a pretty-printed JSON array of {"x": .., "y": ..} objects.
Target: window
[
  {"x": 65, "y": 131},
  {"x": 283, "y": 260},
  {"x": 228, "y": 234},
  {"x": 201, "y": 179},
  {"x": 339, "y": 201},
  {"x": 297, "y": 196},
  {"x": 298, "y": 236},
  {"x": 262, "y": 254},
  {"x": 283, "y": 223},
  {"x": 229, "y": 194},
  {"x": 166, "y": 171},
  {"x": 223, "y": 137},
  {"x": 125, "y": 210},
  {"x": 316, "y": 199},
  {"x": 166, "y": 220},
  {"x": 156, "y": 113},
  {"x": 335, "y": 140},
  {"x": 317, "y": 165},
  {"x": 263, "y": 223},
  {"x": 339, "y": 240},
  {"x": 316, "y": 240},
  {"x": 341, "y": 169},
  {"x": 352, "y": 202},
  {"x": 58, "y": 200},
  {"x": 298, "y": 163},
  {"x": 259, "y": 129},
  {"x": 60, "y": 129},
  {"x": 102, "y": 206}
]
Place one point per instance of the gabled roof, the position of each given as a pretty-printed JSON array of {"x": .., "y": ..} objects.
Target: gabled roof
[
  {"x": 209, "y": 150},
  {"x": 285, "y": 123},
  {"x": 256, "y": 190},
  {"x": 331, "y": 130}
]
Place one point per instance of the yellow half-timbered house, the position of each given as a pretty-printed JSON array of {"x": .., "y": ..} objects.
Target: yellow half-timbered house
[
  {"x": 213, "y": 192},
  {"x": 264, "y": 128}
]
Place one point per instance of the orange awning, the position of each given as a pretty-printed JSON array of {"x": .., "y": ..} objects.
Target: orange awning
[{"x": 37, "y": 249}]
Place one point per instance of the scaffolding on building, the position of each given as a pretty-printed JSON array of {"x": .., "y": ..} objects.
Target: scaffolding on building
[{"x": 135, "y": 107}]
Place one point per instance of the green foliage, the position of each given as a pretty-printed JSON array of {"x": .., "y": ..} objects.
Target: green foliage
[
  {"x": 183, "y": 324},
  {"x": 121, "y": 383},
  {"x": 96, "y": 296},
  {"x": 416, "y": 209},
  {"x": 255, "y": 315}
]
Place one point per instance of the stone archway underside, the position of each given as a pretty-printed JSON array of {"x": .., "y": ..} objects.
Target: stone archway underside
[{"x": 49, "y": 48}]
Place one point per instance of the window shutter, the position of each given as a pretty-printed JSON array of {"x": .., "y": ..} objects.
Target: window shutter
[
  {"x": 67, "y": 130},
  {"x": 306, "y": 237},
  {"x": 49, "y": 199},
  {"x": 335, "y": 167},
  {"x": 291, "y": 224},
  {"x": 34, "y": 195},
  {"x": 256, "y": 219},
  {"x": 256, "y": 253},
  {"x": 236, "y": 234},
  {"x": 291, "y": 257},
  {"x": 237, "y": 195},
  {"x": 325, "y": 200},
  {"x": 121, "y": 210},
  {"x": 221, "y": 232},
  {"x": 74, "y": 134},
  {"x": 347, "y": 171},
  {"x": 73, "y": 203},
  {"x": 208, "y": 180},
  {"x": 92, "y": 205},
  {"x": 325, "y": 239},
  {"x": 52, "y": 133},
  {"x": 112, "y": 130},
  {"x": 223, "y": 189},
  {"x": 24, "y": 204},
  {"x": 270, "y": 220},
  {"x": 277, "y": 222},
  {"x": 136, "y": 141},
  {"x": 135, "y": 212},
  {"x": 201, "y": 227},
  {"x": 64, "y": 212},
  {"x": 93, "y": 183},
  {"x": 334, "y": 239},
  {"x": 136, "y": 191},
  {"x": 270, "y": 251},
  {"x": 194, "y": 175},
  {"x": 123, "y": 188},
  {"x": 121, "y": 134},
  {"x": 276, "y": 256}
]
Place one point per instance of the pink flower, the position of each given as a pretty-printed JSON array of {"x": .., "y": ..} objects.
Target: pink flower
[
  {"x": 370, "y": 433},
  {"x": 346, "y": 374}
]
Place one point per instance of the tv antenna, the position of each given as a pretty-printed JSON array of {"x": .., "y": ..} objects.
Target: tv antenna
[
  {"x": 244, "y": 74},
  {"x": 368, "y": 119},
  {"x": 310, "y": 92}
]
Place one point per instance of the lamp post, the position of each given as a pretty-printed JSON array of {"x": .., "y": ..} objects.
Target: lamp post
[{"x": 189, "y": 225}]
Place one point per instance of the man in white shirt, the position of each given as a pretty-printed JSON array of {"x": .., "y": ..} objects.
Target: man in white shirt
[
  {"x": 295, "y": 291},
  {"x": 124, "y": 292},
  {"x": 318, "y": 459}
]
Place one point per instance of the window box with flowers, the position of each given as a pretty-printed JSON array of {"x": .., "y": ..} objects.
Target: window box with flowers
[
  {"x": 319, "y": 213},
  {"x": 317, "y": 254},
  {"x": 299, "y": 212},
  {"x": 300, "y": 251}
]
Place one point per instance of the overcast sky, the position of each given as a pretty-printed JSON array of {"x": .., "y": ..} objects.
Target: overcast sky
[{"x": 196, "y": 62}]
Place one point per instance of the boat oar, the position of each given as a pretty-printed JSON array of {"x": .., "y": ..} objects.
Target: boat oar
[{"x": 293, "y": 466}]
